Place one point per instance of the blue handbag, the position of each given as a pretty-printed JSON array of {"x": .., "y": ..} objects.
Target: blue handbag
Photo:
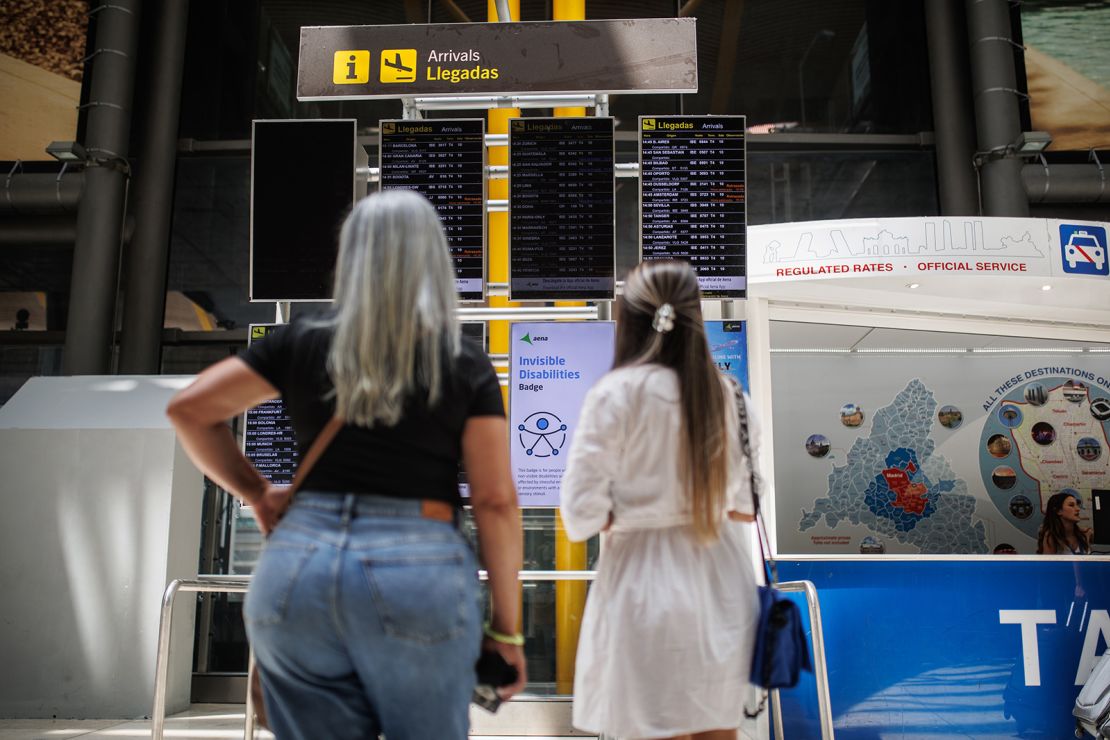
[{"x": 781, "y": 651}]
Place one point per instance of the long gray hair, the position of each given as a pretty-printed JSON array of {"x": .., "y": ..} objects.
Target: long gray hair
[{"x": 395, "y": 324}]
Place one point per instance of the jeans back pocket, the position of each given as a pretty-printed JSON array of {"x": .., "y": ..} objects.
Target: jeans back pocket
[{"x": 423, "y": 596}]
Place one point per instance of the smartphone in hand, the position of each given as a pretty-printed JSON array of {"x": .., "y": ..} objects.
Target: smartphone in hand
[{"x": 493, "y": 672}]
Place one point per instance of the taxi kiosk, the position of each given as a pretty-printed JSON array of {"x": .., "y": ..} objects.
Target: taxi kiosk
[{"x": 932, "y": 383}]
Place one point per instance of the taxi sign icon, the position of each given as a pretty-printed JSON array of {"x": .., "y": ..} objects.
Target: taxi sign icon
[
  {"x": 351, "y": 67},
  {"x": 1084, "y": 249},
  {"x": 398, "y": 65}
]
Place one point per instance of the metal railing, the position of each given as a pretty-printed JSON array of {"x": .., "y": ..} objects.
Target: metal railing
[
  {"x": 239, "y": 584},
  {"x": 202, "y": 584},
  {"x": 820, "y": 669}
]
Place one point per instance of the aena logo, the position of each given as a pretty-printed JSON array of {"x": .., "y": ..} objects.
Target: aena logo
[{"x": 528, "y": 339}]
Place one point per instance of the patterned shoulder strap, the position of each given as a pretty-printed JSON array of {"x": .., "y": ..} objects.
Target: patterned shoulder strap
[{"x": 770, "y": 569}]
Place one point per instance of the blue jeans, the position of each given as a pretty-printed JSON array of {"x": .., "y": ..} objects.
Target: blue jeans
[{"x": 364, "y": 619}]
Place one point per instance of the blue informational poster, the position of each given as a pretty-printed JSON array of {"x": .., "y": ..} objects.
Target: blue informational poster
[
  {"x": 728, "y": 343},
  {"x": 551, "y": 367}
]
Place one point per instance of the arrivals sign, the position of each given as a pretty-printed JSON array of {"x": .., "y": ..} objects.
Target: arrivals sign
[
  {"x": 551, "y": 367},
  {"x": 651, "y": 55}
]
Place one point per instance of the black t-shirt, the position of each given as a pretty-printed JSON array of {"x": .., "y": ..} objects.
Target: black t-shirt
[{"x": 416, "y": 458}]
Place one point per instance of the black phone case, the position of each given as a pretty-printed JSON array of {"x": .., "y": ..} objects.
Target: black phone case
[{"x": 493, "y": 671}]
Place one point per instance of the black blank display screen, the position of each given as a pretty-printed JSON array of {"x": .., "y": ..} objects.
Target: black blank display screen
[{"x": 302, "y": 176}]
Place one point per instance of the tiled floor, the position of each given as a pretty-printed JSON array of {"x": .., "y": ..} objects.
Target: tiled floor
[{"x": 201, "y": 722}]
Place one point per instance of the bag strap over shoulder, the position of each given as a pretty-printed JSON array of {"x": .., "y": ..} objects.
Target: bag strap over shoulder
[
  {"x": 746, "y": 447},
  {"x": 315, "y": 451}
]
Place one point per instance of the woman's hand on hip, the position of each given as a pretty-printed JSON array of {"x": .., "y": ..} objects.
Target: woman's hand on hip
[{"x": 270, "y": 507}]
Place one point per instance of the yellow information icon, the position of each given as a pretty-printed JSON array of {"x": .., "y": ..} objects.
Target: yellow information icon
[
  {"x": 649, "y": 124},
  {"x": 398, "y": 65},
  {"x": 351, "y": 67}
]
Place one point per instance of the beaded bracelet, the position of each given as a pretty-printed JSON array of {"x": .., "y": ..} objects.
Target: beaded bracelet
[{"x": 504, "y": 639}]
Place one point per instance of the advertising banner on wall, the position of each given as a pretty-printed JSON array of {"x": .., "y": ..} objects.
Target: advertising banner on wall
[
  {"x": 992, "y": 648},
  {"x": 937, "y": 453},
  {"x": 728, "y": 343},
  {"x": 551, "y": 367},
  {"x": 912, "y": 247}
]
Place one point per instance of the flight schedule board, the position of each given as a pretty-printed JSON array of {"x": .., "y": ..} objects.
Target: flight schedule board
[
  {"x": 562, "y": 231},
  {"x": 444, "y": 160},
  {"x": 268, "y": 438},
  {"x": 693, "y": 198}
]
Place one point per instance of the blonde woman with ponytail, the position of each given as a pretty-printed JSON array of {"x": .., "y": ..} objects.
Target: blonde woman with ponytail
[
  {"x": 364, "y": 609},
  {"x": 666, "y": 641}
]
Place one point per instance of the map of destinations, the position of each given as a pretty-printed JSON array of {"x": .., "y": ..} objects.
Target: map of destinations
[{"x": 893, "y": 483}]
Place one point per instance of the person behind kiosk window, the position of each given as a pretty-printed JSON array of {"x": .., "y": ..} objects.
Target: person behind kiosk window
[
  {"x": 364, "y": 608},
  {"x": 1060, "y": 533},
  {"x": 666, "y": 640}
]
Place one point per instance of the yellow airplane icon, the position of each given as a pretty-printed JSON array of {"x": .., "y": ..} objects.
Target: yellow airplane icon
[{"x": 398, "y": 65}]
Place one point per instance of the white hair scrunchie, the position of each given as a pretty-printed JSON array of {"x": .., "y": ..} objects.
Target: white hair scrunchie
[{"x": 664, "y": 319}]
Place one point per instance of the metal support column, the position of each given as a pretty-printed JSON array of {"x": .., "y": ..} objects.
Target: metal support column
[
  {"x": 997, "y": 120},
  {"x": 144, "y": 303},
  {"x": 953, "y": 116},
  {"x": 94, "y": 282}
]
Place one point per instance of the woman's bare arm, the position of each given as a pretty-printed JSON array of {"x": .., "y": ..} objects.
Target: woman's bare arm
[
  {"x": 497, "y": 514},
  {"x": 200, "y": 412}
]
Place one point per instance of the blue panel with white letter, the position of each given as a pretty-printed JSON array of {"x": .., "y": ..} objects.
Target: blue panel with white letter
[{"x": 946, "y": 648}]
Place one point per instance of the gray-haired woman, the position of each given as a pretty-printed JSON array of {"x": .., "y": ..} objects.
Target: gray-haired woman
[{"x": 363, "y": 611}]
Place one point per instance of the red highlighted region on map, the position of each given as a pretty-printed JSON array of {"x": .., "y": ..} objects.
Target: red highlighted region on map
[{"x": 908, "y": 496}]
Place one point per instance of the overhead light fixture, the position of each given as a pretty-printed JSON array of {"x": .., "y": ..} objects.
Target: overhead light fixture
[
  {"x": 1032, "y": 142},
  {"x": 67, "y": 151},
  {"x": 1046, "y": 287},
  {"x": 914, "y": 286}
]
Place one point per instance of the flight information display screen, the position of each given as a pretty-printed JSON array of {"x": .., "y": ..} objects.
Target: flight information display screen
[
  {"x": 693, "y": 198},
  {"x": 562, "y": 229},
  {"x": 302, "y": 187},
  {"x": 444, "y": 160},
  {"x": 268, "y": 439}
]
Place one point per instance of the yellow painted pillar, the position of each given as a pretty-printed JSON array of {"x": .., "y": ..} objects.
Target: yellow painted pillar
[{"x": 570, "y": 596}]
